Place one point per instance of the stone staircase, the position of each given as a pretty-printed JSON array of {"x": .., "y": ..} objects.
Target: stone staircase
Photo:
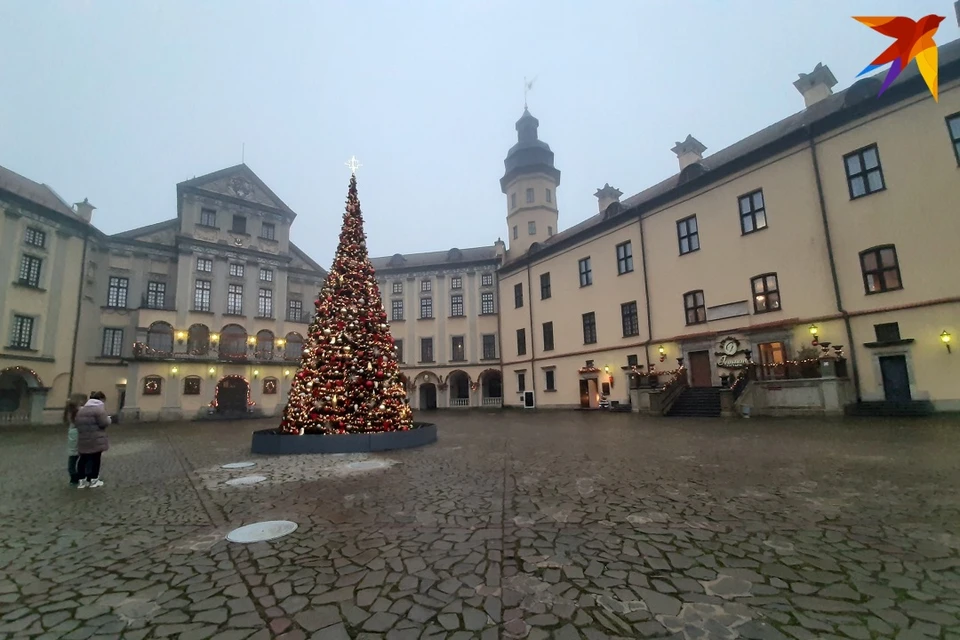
[{"x": 697, "y": 402}]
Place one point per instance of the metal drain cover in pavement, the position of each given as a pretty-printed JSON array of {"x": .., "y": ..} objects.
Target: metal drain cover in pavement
[
  {"x": 246, "y": 480},
  {"x": 262, "y": 531},
  {"x": 239, "y": 465},
  {"x": 367, "y": 464}
]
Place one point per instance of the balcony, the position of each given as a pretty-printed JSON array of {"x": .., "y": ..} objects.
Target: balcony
[{"x": 231, "y": 353}]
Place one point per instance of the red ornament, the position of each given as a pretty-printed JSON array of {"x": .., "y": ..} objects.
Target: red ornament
[{"x": 369, "y": 384}]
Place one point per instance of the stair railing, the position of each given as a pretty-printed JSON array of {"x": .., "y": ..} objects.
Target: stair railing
[{"x": 671, "y": 390}]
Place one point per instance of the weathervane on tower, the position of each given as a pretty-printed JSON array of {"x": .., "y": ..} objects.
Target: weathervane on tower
[
  {"x": 353, "y": 165},
  {"x": 527, "y": 86}
]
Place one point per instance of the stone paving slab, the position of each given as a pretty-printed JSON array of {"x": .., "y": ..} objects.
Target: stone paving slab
[{"x": 550, "y": 525}]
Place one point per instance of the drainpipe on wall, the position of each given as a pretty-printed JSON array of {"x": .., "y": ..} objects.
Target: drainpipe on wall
[
  {"x": 833, "y": 266},
  {"x": 533, "y": 353},
  {"x": 76, "y": 322},
  {"x": 646, "y": 297}
]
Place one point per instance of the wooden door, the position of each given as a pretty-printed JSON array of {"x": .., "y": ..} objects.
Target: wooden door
[
  {"x": 232, "y": 396},
  {"x": 584, "y": 394},
  {"x": 896, "y": 380},
  {"x": 700, "y": 373}
]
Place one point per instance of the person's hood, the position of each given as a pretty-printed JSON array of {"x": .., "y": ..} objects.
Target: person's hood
[{"x": 94, "y": 403}]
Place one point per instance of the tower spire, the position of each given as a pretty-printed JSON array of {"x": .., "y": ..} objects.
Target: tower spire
[{"x": 527, "y": 86}]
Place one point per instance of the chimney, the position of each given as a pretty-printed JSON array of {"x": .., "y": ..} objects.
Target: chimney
[
  {"x": 689, "y": 151},
  {"x": 817, "y": 85},
  {"x": 84, "y": 210},
  {"x": 608, "y": 195}
]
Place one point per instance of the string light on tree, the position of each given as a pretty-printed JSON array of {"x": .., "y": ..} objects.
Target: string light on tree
[{"x": 349, "y": 377}]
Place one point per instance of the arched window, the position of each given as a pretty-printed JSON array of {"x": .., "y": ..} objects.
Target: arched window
[
  {"x": 264, "y": 344},
  {"x": 152, "y": 386},
  {"x": 198, "y": 340},
  {"x": 294, "y": 348},
  {"x": 160, "y": 337},
  {"x": 233, "y": 341}
]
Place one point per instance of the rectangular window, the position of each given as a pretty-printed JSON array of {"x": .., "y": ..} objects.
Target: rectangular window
[
  {"x": 236, "y": 270},
  {"x": 632, "y": 360},
  {"x": 887, "y": 332},
  {"x": 486, "y": 280},
  {"x": 117, "y": 292},
  {"x": 112, "y": 343},
  {"x": 864, "y": 173},
  {"x": 549, "y": 195},
  {"x": 624, "y": 258},
  {"x": 456, "y": 305},
  {"x": 457, "y": 352},
  {"x": 426, "y": 285},
  {"x": 191, "y": 386},
  {"x": 549, "y": 231},
  {"x": 513, "y": 200},
  {"x": 521, "y": 342},
  {"x": 294, "y": 310},
  {"x": 268, "y": 231},
  {"x": 629, "y": 319},
  {"x": 30, "y": 271},
  {"x": 208, "y": 217},
  {"x": 201, "y": 296},
  {"x": 772, "y": 356},
  {"x": 486, "y": 303},
  {"x": 426, "y": 308},
  {"x": 881, "y": 269},
  {"x": 265, "y": 303},
  {"x": 521, "y": 382},
  {"x": 516, "y": 232},
  {"x": 35, "y": 237},
  {"x": 551, "y": 379},
  {"x": 544, "y": 285},
  {"x": 426, "y": 349},
  {"x": 529, "y": 195},
  {"x": 694, "y": 307},
  {"x": 266, "y": 275},
  {"x": 397, "y": 288},
  {"x": 235, "y": 299},
  {"x": 953, "y": 128},
  {"x": 586, "y": 273},
  {"x": 205, "y": 265},
  {"x": 22, "y": 335},
  {"x": 531, "y": 228},
  {"x": 766, "y": 293},
  {"x": 687, "y": 235},
  {"x": 589, "y": 328},
  {"x": 518, "y": 295},
  {"x": 753, "y": 214},
  {"x": 239, "y": 224},
  {"x": 548, "y": 336},
  {"x": 489, "y": 347},
  {"x": 396, "y": 310},
  {"x": 456, "y": 282},
  {"x": 156, "y": 295},
  {"x": 398, "y": 347}
]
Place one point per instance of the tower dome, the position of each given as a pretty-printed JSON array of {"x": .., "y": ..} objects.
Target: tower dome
[{"x": 529, "y": 155}]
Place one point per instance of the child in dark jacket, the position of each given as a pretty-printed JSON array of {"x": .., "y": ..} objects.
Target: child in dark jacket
[{"x": 69, "y": 417}]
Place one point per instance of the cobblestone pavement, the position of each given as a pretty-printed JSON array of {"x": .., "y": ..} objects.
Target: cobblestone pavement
[{"x": 513, "y": 525}]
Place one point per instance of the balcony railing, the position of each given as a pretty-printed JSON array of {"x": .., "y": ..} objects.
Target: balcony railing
[
  {"x": 142, "y": 351},
  {"x": 492, "y": 402},
  {"x": 460, "y": 402}
]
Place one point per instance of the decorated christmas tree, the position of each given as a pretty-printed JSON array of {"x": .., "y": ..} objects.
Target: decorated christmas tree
[{"x": 349, "y": 377}]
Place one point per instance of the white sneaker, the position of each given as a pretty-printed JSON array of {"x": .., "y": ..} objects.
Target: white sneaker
[
  {"x": 82, "y": 484},
  {"x": 97, "y": 482}
]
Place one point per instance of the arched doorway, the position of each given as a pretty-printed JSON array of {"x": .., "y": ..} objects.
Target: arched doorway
[
  {"x": 428, "y": 396},
  {"x": 459, "y": 383},
  {"x": 233, "y": 395},
  {"x": 15, "y": 395},
  {"x": 491, "y": 385}
]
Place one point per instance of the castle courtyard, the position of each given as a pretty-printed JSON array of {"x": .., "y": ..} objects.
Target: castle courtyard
[{"x": 513, "y": 525}]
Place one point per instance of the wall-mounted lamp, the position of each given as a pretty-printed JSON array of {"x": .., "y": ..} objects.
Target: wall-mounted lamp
[
  {"x": 122, "y": 382},
  {"x": 181, "y": 336},
  {"x": 212, "y": 371},
  {"x": 286, "y": 373},
  {"x": 814, "y": 330},
  {"x": 663, "y": 353},
  {"x": 173, "y": 371},
  {"x": 945, "y": 339},
  {"x": 606, "y": 370},
  {"x": 280, "y": 342},
  {"x": 252, "y": 340},
  {"x": 256, "y": 373},
  {"x": 214, "y": 337}
]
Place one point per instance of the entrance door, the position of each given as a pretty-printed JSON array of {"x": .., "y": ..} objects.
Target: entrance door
[
  {"x": 700, "y": 374},
  {"x": 896, "y": 381},
  {"x": 428, "y": 396},
  {"x": 232, "y": 396},
  {"x": 584, "y": 394}
]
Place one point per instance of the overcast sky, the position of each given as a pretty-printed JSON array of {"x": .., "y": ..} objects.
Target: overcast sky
[{"x": 118, "y": 100}]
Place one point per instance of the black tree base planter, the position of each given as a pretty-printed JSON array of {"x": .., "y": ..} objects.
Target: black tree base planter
[{"x": 273, "y": 442}]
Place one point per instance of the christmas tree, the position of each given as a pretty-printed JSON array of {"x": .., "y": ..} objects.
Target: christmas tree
[{"x": 349, "y": 377}]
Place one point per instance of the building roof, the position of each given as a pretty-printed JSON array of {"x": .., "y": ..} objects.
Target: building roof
[
  {"x": 434, "y": 259},
  {"x": 35, "y": 192},
  {"x": 856, "y": 101},
  {"x": 237, "y": 170}
]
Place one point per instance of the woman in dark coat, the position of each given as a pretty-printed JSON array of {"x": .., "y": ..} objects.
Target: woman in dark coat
[{"x": 92, "y": 422}]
